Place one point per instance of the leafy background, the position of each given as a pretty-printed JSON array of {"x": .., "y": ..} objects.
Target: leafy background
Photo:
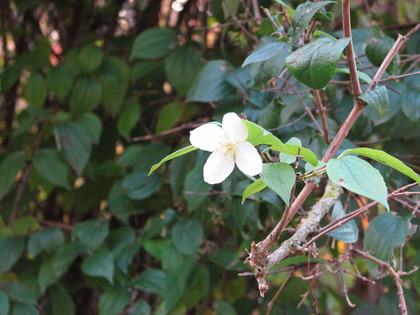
[{"x": 93, "y": 93}]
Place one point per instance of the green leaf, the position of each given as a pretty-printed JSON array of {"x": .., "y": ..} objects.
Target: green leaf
[
  {"x": 85, "y": 96},
  {"x": 46, "y": 276},
  {"x": 265, "y": 52},
  {"x": 35, "y": 90},
  {"x": 314, "y": 64},
  {"x": 49, "y": 240},
  {"x": 49, "y": 164},
  {"x": 154, "y": 43},
  {"x": 253, "y": 188},
  {"x": 377, "y": 49},
  {"x": 64, "y": 257},
  {"x": 9, "y": 168},
  {"x": 172, "y": 156},
  {"x": 258, "y": 135},
  {"x": 20, "y": 292},
  {"x": 287, "y": 158},
  {"x": 4, "y": 303},
  {"x": 303, "y": 16},
  {"x": 61, "y": 301},
  {"x": 181, "y": 68},
  {"x": 12, "y": 248},
  {"x": 71, "y": 62},
  {"x": 113, "y": 93},
  {"x": 290, "y": 11},
  {"x": 410, "y": 101},
  {"x": 361, "y": 75},
  {"x": 74, "y": 141},
  {"x": 9, "y": 76},
  {"x": 280, "y": 177},
  {"x": 194, "y": 183},
  {"x": 210, "y": 85},
  {"x": 359, "y": 177},
  {"x": 169, "y": 116},
  {"x": 90, "y": 57},
  {"x": 298, "y": 260},
  {"x": 100, "y": 264},
  {"x": 348, "y": 233},
  {"x": 59, "y": 81},
  {"x": 378, "y": 99},
  {"x": 198, "y": 286},
  {"x": 113, "y": 300},
  {"x": 385, "y": 232},
  {"x": 128, "y": 118},
  {"x": 24, "y": 309},
  {"x": 187, "y": 235},
  {"x": 140, "y": 186},
  {"x": 92, "y": 233},
  {"x": 25, "y": 225},
  {"x": 92, "y": 125},
  {"x": 151, "y": 280},
  {"x": 386, "y": 159}
]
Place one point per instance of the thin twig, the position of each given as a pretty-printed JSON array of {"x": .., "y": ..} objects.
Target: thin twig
[
  {"x": 322, "y": 113},
  {"x": 267, "y": 13},
  {"x": 271, "y": 303}
]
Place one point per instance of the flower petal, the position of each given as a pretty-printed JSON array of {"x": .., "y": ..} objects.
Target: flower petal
[
  {"x": 207, "y": 137},
  {"x": 234, "y": 127},
  {"x": 247, "y": 159},
  {"x": 218, "y": 167}
]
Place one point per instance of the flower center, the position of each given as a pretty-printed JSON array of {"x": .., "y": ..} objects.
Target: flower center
[{"x": 228, "y": 147}]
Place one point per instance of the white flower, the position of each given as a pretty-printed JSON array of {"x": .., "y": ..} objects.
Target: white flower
[{"x": 228, "y": 146}]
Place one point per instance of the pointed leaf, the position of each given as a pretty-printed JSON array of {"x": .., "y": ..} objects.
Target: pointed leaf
[
  {"x": 386, "y": 159},
  {"x": 49, "y": 164},
  {"x": 385, "y": 232},
  {"x": 113, "y": 300},
  {"x": 9, "y": 167},
  {"x": 12, "y": 248},
  {"x": 266, "y": 52},
  {"x": 154, "y": 43},
  {"x": 253, "y": 188},
  {"x": 280, "y": 177},
  {"x": 187, "y": 235},
  {"x": 359, "y": 177},
  {"x": 92, "y": 233},
  {"x": 113, "y": 93},
  {"x": 169, "y": 116},
  {"x": 92, "y": 125},
  {"x": 128, "y": 118},
  {"x": 410, "y": 102},
  {"x": 151, "y": 280},
  {"x": 90, "y": 58},
  {"x": 378, "y": 99},
  {"x": 172, "y": 156},
  {"x": 61, "y": 301},
  {"x": 59, "y": 81},
  {"x": 314, "y": 64},
  {"x": 85, "y": 96},
  {"x": 139, "y": 185},
  {"x": 348, "y": 233},
  {"x": 100, "y": 264}
]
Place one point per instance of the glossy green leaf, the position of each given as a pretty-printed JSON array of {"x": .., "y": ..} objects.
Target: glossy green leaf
[
  {"x": 61, "y": 301},
  {"x": 92, "y": 233},
  {"x": 378, "y": 99},
  {"x": 386, "y": 159},
  {"x": 92, "y": 125},
  {"x": 187, "y": 235},
  {"x": 385, "y": 232},
  {"x": 361, "y": 75},
  {"x": 99, "y": 264},
  {"x": 85, "y": 96},
  {"x": 4, "y": 303},
  {"x": 151, "y": 280},
  {"x": 303, "y": 16},
  {"x": 169, "y": 116},
  {"x": 253, "y": 188},
  {"x": 265, "y": 52},
  {"x": 377, "y": 49},
  {"x": 139, "y": 185},
  {"x": 25, "y": 225},
  {"x": 90, "y": 57},
  {"x": 287, "y": 158},
  {"x": 59, "y": 81},
  {"x": 113, "y": 300},
  {"x": 154, "y": 43},
  {"x": 280, "y": 177},
  {"x": 49, "y": 164},
  {"x": 128, "y": 118},
  {"x": 210, "y": 85},
  {"x": 348, "y": 233},
  {"x": 359, "y": 177},
  {"x": 113, "y": 93},
  {"x": 181, "y": 68},
  {"x": 314, "y": 64},
  {"x": 12, "y": 248},
  {"x": 35, "y": 90},
  {"x": 9, "y": 167},
  {"x": 258, "y": 135},
  {"x": 74, "y": 141},
  {"x": 172, "y": 156}
]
